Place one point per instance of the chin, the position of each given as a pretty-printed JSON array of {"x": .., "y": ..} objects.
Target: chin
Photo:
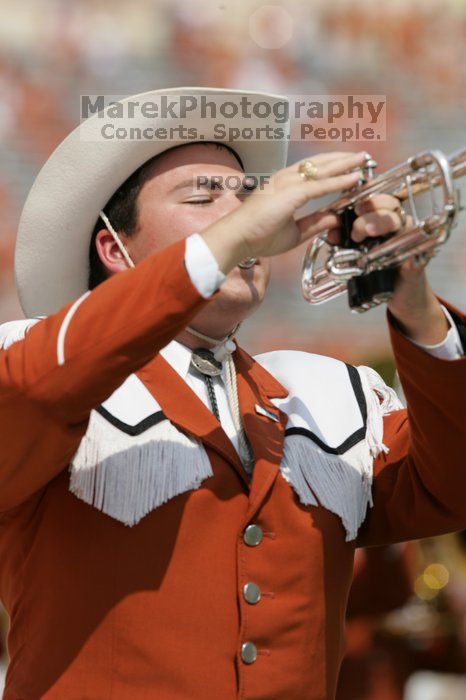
[
  {"x": 245, "y": 286},
  {"x": 240, "y": 295}
]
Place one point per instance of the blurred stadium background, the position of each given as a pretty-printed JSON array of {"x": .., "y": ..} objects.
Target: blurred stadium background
[{"x": 412, "y": 51}]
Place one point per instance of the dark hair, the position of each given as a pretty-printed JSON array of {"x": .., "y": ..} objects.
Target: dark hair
[{"x": 122, "y": 212}]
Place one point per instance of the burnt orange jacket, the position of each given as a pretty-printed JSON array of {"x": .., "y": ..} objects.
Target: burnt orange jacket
[{"x": 103, "y": 611}]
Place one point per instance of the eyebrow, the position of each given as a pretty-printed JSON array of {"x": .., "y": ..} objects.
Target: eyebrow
[{"x": 191, "y": 182}]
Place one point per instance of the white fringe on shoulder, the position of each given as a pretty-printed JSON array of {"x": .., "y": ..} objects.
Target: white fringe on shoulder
[
  {"x": 342, "y": 483},
  {"x": 127, "y": 476}
]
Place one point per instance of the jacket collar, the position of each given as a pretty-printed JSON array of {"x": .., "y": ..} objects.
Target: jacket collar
[
  {"x": 178, "y": 356},
  {"x": 164, "y": 377}
]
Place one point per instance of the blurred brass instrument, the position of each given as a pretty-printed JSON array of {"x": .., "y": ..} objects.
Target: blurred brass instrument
[{"x": 367, "y": 271}]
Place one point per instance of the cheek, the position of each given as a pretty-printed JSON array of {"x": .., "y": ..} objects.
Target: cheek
[
  {"x": 194, "y": 218},
  {"x": 181, "y": 221},
  {"x": 163, "y": 228}
]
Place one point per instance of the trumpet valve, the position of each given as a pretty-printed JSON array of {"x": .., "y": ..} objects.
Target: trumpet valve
[{"x": 343, "y": 263}]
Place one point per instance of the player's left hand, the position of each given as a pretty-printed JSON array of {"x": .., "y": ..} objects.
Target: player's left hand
[{"x": 413, "y": 303}]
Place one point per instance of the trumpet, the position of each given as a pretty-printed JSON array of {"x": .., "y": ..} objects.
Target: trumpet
[{"x": 367, "y": 271}]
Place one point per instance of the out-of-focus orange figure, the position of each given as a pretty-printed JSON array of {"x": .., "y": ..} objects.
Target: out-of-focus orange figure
[{"x": 406, "y": 612}]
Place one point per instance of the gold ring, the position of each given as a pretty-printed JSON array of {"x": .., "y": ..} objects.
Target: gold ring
[{"x": 308, "y": 170}]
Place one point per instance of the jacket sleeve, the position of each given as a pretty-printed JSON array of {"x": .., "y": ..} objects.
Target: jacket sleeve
[
  {"x": 419, "y": 487},
  {"x": 70, "y": 362}
]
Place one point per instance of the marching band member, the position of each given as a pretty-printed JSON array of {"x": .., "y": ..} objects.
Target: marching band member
[{"x": 178, "y": 518}]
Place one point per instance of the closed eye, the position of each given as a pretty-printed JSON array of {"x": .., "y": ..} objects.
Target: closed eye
[{"x": 198, "y": 201}]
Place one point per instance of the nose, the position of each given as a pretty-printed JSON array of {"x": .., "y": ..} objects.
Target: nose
[{"x": 231, "y": 200}]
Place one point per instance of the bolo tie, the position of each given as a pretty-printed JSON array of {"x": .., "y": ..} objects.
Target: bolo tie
[{"x": 209, "y": 365}]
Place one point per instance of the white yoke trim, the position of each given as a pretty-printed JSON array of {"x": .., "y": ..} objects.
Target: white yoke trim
[
  {"x": 333, "y": 433},
  {"x": 64, "y": 328}
]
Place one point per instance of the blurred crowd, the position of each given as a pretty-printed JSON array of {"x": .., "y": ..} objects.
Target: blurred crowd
[{"x": 412, "y": 51}]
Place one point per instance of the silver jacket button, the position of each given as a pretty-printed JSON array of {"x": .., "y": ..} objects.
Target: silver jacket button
[
  {"x": 252, "y": 593},
  {"x": 253, "y": 535},
  {"x": 249, "y": 652}
]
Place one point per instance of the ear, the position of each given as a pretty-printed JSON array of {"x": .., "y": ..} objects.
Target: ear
[{"x": 109, "y": 252}]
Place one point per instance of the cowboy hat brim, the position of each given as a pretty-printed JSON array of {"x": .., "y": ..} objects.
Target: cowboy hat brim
[{"x": 82, "y": 174}]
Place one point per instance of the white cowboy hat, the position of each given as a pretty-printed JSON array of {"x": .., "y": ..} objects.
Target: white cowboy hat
[{"x": 81, "y": 175}]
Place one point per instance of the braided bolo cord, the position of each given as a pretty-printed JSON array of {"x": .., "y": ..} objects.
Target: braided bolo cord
[{"x": 212, "y": 398}]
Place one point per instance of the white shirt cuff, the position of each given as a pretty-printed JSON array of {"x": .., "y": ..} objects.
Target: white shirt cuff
[
  {"x": 202, "y": 266},
  {"x": 450, "y": 348}
]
